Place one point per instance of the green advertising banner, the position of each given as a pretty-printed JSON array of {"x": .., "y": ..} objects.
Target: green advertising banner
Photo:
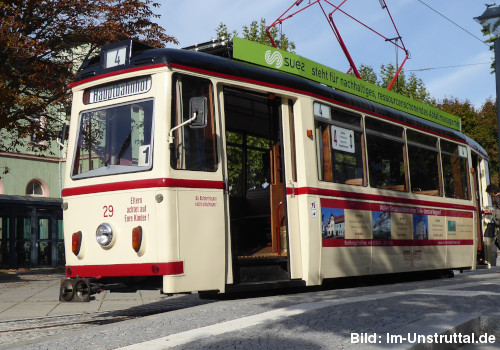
[{"x": 267, "y": 56}]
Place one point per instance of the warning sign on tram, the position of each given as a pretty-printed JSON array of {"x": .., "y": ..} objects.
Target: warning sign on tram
[{"x": 342, "y": 139}]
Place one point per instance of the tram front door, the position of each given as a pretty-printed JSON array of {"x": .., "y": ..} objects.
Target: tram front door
[{"x": 255, "y": 186}]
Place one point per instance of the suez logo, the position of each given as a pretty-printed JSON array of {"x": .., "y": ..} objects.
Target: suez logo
[{"x": 275, "y": 58}]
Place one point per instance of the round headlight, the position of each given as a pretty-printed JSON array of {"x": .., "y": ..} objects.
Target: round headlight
[{"x": 104, "y": 235}]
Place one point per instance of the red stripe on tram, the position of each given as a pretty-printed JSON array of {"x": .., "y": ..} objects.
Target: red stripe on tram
[
  {"x": 340, "y": 242},
  {"x": 347, "y": 197},
  {"x": 118, "y": 72},
  {"x": 126, "y": 270},
  {"x": 141, "y": 184}
]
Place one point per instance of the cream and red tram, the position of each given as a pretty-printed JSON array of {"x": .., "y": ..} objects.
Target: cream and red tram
[{"x": 187, "y": 172}]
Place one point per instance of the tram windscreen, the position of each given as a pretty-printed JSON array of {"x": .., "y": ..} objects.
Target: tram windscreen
[{"x": 114, "y": 140}]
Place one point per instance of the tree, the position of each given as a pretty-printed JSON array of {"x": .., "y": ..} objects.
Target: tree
[
  {"x": 489, "y": 29},
  {"x": 480, "y": 125},
  {"x": 42, "y": 43},
  {"x": 409, "y": 86},
  {"x": 257, "y": 32}
]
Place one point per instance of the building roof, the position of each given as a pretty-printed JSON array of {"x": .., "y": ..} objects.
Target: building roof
[{"x": 30, "y": 201}]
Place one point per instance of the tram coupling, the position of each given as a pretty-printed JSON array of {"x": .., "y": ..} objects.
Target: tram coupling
[{"x": 78, "y": 289}]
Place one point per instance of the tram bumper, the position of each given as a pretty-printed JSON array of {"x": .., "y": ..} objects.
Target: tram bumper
[{"x": 77, "y": 289}]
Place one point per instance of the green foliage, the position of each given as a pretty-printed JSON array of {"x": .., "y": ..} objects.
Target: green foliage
[
  {"x": 368, "y": 74},
  {"x": 42, "y": 44},
  {"x": 489, "y": 27},
  {"x": 480, "y": 125},
  {"x": 409, "y": 86},
  {"x": 223, "y": 33},
  {"x": 256, "y": 31}
]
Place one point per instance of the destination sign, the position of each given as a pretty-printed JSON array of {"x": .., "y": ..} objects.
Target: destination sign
[
  {"x": 267, "y": 56},
  {"x": 121, "y": 89}
]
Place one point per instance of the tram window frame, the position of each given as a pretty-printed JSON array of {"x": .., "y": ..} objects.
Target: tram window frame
[
  {"x": 195, "y": 148},
  {"x": 381, "y": 140},
  {"x": 339, "y": 164},
  {"x": 425, "y": 173},
  {"x": 453, "y": 185},
  {"x": 103, "y": 158}
]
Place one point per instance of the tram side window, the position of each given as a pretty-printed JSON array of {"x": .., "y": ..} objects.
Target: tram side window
[
  {"x": 194, "y": 148},
  {"x": 423, "y": 158},
  {"x": 340, "y": 146},
  {"x": 386, "y": 155},
  {"x": 455, "y": 170}
]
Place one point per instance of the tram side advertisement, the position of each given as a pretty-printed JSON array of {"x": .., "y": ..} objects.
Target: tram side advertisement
[{"x": 351, "y": 224}]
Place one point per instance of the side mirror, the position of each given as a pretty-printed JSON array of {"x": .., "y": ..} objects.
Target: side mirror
[
  {"x": 198, "y": 105},
  {"x": 197, "y": 116}
]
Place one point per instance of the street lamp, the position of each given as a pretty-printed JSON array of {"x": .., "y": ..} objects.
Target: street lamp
[{"x": 491, "y": 18}]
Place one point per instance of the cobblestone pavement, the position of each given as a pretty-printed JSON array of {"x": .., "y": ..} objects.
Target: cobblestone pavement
[{"x": 350, "y": 316}]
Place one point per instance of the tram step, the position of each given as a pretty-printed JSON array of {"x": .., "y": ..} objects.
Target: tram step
[
  {"x": 262, "y": 273},
  {"x": 264, "y": 286}
]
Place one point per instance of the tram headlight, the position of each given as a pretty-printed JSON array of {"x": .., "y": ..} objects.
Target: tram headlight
[{"x": 104, "y": 235}]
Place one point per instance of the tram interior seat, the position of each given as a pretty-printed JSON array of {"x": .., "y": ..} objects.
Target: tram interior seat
[
  {"x": 401, "y": 188},
  {"x": 427, "y": 192},
  {"x": 250, "y": 221},
  {"x": 356, "y": 182}
]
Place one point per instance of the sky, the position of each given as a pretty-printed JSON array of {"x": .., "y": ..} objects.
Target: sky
[{"x": 446, "y": 45}]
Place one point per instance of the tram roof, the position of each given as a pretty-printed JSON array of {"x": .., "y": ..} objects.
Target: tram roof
[{"x": 235, "y": 69}]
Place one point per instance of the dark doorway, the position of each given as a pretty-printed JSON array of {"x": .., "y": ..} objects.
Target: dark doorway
[
  {"x": 255, "y": 185},
  {"x": 30, "y": 232}
]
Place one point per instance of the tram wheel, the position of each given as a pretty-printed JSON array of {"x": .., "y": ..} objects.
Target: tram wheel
[
  {"x": 67, "y": 291},
  {"x": 82, "y": 291}
]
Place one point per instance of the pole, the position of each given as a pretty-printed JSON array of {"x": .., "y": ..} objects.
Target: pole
[{"x": 497, "y": 82}]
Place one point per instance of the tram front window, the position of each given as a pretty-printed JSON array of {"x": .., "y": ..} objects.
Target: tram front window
[{"x": 114, "y": 140}]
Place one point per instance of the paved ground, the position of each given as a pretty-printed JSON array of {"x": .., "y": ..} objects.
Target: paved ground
[
  {"x": 35, "y": 293},
  {"x": 370, "y": 316}
]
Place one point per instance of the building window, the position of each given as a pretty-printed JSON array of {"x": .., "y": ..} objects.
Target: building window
[
  {"x": 37, "y": 129},
  {"x": 37, "y": 188}
]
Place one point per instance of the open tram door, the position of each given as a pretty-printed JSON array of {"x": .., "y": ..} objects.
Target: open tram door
[
  {"x": 255, "y": 187},
  {"x": 480, "y": 179}
]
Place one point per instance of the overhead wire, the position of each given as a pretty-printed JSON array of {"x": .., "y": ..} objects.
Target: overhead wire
[
  {"x": 454, "y": 23},
  {"x": 465, "y": 30},
  {"x": 444, "y": 67}
]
